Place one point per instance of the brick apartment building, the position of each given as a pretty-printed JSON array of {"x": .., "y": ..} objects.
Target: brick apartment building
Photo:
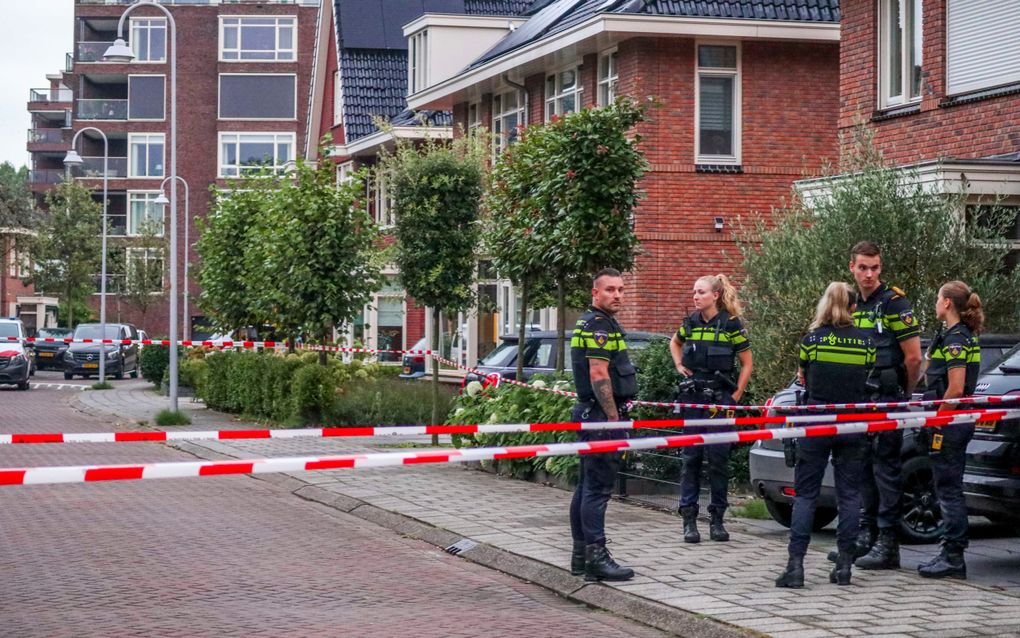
[{"x": 244, "y": 81}]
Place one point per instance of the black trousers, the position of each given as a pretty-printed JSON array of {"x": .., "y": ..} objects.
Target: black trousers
[
  {"x": 882, "y": 480},
  {"x": 596, "y": 479},
  {"x": 947, "y": 466},
  {"x": 695, "y": 457}
]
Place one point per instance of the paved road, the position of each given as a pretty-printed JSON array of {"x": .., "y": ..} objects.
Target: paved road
[{"x": 231, "y": 556}]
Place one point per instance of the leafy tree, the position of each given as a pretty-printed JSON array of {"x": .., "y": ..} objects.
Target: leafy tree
[
  {"x": 67, "y": 248},
  {"x": 925, "y": 238},
  {"x": 436, "y": 189},
  {"x": 144, "y": 286},
  {"x": 16, "y": 208}
]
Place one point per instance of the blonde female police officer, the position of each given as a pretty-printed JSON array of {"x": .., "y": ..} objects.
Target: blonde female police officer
[{"x": 705, "y": 350}]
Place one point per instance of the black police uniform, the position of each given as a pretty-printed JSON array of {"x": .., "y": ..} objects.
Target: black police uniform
[
  {"x": 956, "y": 348},
  {"x": 709, "y": 347},
  {"x": 888, "y": 318},
  {"x": 597, "y": 335}
]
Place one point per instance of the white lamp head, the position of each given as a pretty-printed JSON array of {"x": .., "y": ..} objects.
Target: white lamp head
[
  {"x": 161, "y": 200},
  {"x": 119, "y": 51},
  {"x": 73, "y": 159}
]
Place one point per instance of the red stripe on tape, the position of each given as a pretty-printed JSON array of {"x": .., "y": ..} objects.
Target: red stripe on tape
[
  {"x": 37, "y": 438},
  {"x": 754, "y": 435},
  {"x": 114, "y": 473},
  {"x": 522, "y": 452},
  {"x": 598, "y": 447},
  {"x": 861, "y": 416},
  {"x": 547, "y": 427},
  {"x": 821, "y": 430},
  {"x": 882, "y": 426},
  {"x": 685, "y": 440},
  {"x": 226, "y": 468},
  {"x": 430, "y": 457},
  {"x": 12, "y": 477},
  {"x": 139, "y": 436},
  {"x": 348, "y": 431},
  {"x": 451, "y": 429},
  {"x": 244, "y": 434},
  {"x": 331, "y": 464}
]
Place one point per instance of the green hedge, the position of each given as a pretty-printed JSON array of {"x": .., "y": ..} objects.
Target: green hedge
[
  {"x": 387, "y": 401},
  {"x": 154, "y": 360}
]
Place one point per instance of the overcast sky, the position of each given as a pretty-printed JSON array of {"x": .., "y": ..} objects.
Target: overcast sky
[{"x": 34, "y": 37}]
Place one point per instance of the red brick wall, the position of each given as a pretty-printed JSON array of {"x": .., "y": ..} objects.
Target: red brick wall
[{"x": 981, "y": 128}]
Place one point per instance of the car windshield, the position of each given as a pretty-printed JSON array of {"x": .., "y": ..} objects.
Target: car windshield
[
  {"x": 1011, "y": 362},
  {"x": 54, "y": 333},
  {"x": 94, "y": 331},
  {"x": 8, "y": 329},
  {"x": 501, "y": 356}
]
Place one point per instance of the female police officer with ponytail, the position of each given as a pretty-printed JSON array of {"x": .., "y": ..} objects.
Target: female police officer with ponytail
[
  {"x": 954, "y": 363},
  {"x": 705, "y": 350}
]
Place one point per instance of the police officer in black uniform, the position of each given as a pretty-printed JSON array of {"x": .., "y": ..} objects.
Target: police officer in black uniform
[
  {"x": 885, "y": 313},
  {"x": 705, "y": 350},
  {"x": 835, "y": 361},
  {"x": 953, "y": 368},
  {"x": 606, "y": 381}
]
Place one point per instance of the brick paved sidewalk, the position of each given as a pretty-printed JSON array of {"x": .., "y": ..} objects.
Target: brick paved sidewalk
[{"x": 729, "y": 582}]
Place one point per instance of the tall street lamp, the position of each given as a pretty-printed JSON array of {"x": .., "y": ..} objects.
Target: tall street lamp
[
  {"x": 71, "y": 160},
  {"x": 119, "y": 51},
  {"x": 163, "y": 201}
]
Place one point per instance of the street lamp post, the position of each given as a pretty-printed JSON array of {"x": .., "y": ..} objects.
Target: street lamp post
[
  {"x": 119, "y": 51},
  {"x": 163, "y": 201},
  {"x": 71, "y": 160}
]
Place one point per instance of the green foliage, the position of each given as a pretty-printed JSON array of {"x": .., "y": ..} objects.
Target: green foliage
[
  {"x": 790, "y": 259},
  {"x": 386, "y": 401},
  {"x": 166, "y": 418},
  {"x": 67, "y": 247},
  {"x": 70, "y": 314},
  {"x": 17, "y": 211},
  {"x": 753, "y": 508},
  {"x": 143, "y": 281},
  {"x": 193, "y": 372},
  {"x": 154, "y": 360},
  {"x": 312, "y": 392},
  {"x": 104, "y": 385}
]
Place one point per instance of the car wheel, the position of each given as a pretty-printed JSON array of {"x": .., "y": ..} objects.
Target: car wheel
[
  {"x": 120, "y": 373},
  {"x": 24, "y": 385},
  {"x": 68, "y": 376},
  {"x": 922, "y": 516}
]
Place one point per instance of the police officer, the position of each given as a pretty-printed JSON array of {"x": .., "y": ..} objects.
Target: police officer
[
  {"x": 835, "y": 360},
  {"x": 885, "y": 313},
  {"x": 605, "y": 380},
  {"x": 954, "y": 364},
  {"x": 705, "y": 349}
]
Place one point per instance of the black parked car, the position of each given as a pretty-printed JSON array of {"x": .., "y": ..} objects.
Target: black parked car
[
  {"x": 50, "y": 355},
  {"x": 83, "y": 358}
]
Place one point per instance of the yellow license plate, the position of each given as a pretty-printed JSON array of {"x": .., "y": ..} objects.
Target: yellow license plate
[
  {"x": 89, "y": 366},
  {"x": 46, "y": 354},
  {"x": 985, "y": 426},
  {"x": 407, "y": 370}
]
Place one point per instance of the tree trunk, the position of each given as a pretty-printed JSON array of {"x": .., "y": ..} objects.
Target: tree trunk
[
  {"x": 561, "y": 323},
  {"x": 522, "y": 330},
  {"x": 70, "y": 308},
  {"x": 435, "y": 373},
  {"x": 292, "y": 344},
  {"x": 326, "y": 330}
]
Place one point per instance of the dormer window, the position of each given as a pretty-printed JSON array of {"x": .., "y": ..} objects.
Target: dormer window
[{"x": 418, "y": 62}]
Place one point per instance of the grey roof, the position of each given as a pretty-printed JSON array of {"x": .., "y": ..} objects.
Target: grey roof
[
  {"x": 407, "y": 117},
  {"x": 373, "y": 84},
  {"x": 497, "y": 7},
  {"x": 559, "y": 15}
]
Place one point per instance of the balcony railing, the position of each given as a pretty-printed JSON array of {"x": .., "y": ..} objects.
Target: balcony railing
[
  {"x": 102, "y": 109},
  {"x": 46, "y": 176},
  {"x": 92, "y": 51},
  {"x": 47, "y": 136},
  {"x": 69, "y": 62},
  {"x": 92, "y": 168},
  {"x": 50, "y": 95}
]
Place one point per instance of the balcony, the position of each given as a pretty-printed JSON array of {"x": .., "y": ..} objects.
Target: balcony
[
  {"x": 102, "y": 109},
  {"x": 92, "y": 168},
  {"x": 48, "y": 139},
  {"x": 69, "y": 63},
  {"x": 92, "y": 51},
  {"x": 45, "y": 176},
  {"x": 48, "y": 99}
]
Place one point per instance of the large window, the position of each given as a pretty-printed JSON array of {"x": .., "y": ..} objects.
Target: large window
[
  {"x": 717, "y": 130},
  {"x": 146, "y": 97},
  {"x": 609, "y": 76},
  {"x": 385, "y": 214},
  {"x": 251, "y": 39},
  {"x": 562, "y": 93},
  {"x": 148, "y": 39},
  {"x": 242, "y": 153},
  {"x": 900, "y": 51},
  {"x": 417, "y": 62},
  {"x": 144, "y": 215},
  {"x": 146, "y": 154},
  {"x": 258, "y": 97},
  {"x": 507, "y": 115},
  {"x": 145, "y": 269},
  {"x": 982, "y": 47}
]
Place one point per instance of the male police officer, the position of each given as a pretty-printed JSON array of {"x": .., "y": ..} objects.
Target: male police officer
[
  {"x": 885, "y": 313},
  {"x": 605, "y": 380}
]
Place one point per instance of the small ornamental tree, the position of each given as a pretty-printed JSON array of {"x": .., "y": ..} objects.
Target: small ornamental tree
[
  {"x": 144, "y": 284},
  {"x": 67, "y": 247},
  {"x": 436, "y": 188},
  {"x": 928, "y": 237}
]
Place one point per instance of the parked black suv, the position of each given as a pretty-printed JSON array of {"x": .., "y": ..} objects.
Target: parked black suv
[
  {"x": 83, "y": 358},
  {"x": 49, "y": 355}
]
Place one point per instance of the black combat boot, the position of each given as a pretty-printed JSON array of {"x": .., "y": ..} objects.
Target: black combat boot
[
  {"x": 840, "y": 574},
  {"x": 690, "y": 514},
  {"x": 865, "y": 540},
  {"x": 793, "y": 577},
  {"x": 884, "y": 555},
  {"x": 948, "y": 564},
  {"x": 716, "y": 531},
  {"x": 599, "y": 565},
  {"x": 577, "y": 559}
]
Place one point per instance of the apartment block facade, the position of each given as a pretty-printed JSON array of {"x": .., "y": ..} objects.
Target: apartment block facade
[{"x": 244, "y": 89}]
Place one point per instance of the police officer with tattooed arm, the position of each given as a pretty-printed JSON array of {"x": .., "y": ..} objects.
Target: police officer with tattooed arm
[{"x": 606, "y": 381}]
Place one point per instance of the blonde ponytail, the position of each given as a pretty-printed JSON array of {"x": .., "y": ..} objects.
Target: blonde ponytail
[
  {"x": 834, "y": 307},
  {"x": 728, "y": 298}
]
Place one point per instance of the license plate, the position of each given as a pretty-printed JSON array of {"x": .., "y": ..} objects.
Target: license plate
[
  {"x": 985, "y": 426},
  {"x": 44, "y": 355},
  {"x": 407, "y": 370},
  {"x": 89, "y": 366}
]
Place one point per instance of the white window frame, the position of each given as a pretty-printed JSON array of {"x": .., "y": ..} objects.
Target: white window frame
[
  {"x": 145, "y": 252},
  {"x": 905, "y": 62},
  {"x": 553, "y": 104},
  {"x": 132, "y": 138},
  {"x": 293, "y": 19},
  {"x": 735, "y": 75},
  {"x": 145, "y": 195},
  {"x": 344, "y": 172},
  {"x": 385, "y": 215},
  {"x": 474, "y": 115},
  {"x": 149, "y": 24},
  {"x": 146, "y": 119},
  {"x": 338, "y": 99},
  {"x": 278, "y": 165},
  {"x": 608, "y": 82},
  {"x": 219, "y": 100},
  {"x": 499, "y": 131},
  {"x": 418, "y": 62}
]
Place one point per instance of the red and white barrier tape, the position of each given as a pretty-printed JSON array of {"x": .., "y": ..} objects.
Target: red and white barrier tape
[
  {"x": 469, "y": 428},
  {"x": 221, "y": 343},
  {"x": 496, "y": 379},
  {"x": 94, "y": 473},
  {"x": 829, "y": 407}
]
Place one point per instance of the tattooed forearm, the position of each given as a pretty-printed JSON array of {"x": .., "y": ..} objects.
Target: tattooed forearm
[{"x": 604, "y": 395}]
